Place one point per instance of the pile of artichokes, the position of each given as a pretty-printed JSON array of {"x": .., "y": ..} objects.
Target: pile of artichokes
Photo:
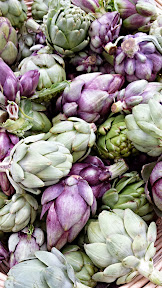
[{"x": 80, "y": 142}]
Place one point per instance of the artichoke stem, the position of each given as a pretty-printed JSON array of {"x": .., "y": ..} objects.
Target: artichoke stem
[
  {"x": 118, "y": 168},
  {"x": 117, "y": 107},
  {"x": 147, "y": 270}
]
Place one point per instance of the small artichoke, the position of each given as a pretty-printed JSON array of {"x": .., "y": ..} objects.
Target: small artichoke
[
  {"x": 104, "y": 30},
  {"x": 156, "y": 29},
  {"x": 18, "y": 212},
  {"x": 122, "y": 246},
  {"x": 112, "y": 141},
  {"x": 67, "y": 29},
  {"x": 46, "y": 269},
  {"x": 76, "y": 134},
  {"x": 81, "y": 263},
  {"x": 152, "y": 175},
  {"x": 68, "y": 204},
  {"x": 23, "y": 244},
  {"x": 128, "y": 192},
  {"x": 145, "y": 127},
  {"x": 34, "y": 163},
  {"x": 14, "y": 10}
]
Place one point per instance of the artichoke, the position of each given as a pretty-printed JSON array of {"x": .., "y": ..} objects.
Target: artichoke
[
  {"x": 152, "y": 175},
  {"x": 34, "y": 163},
  {"x": 138, "y": 58},
  {"x": 14, "y": 10},
  {"x": 76, "y": 134},
  {"x": 156, "y": 29},
  {"x": 68, "y": 204},
  {"x": 104, "y": 30},
  {"x": 18, "y": 212},
  {"x": 8, "y": 41},
  {"x": 137, "y": 14},
  {"x": 39, "y": 9},
  {"x": 66, "y": 29},
  {"x": 23, "y": 244},
  {"x": 112, "y": 141},
  {"x": 86, "y": 5},
  {"x": 28, "y": 83},
  {"x": 137, "y": 92},
  {"x": 81, "y": 263},
  {"x": 128, "y": 192},
  {"x": 45, "y": 270},
  {"x": 50, "y": 67},
  {"x": 122, "y": 246},
  {"x": 89, "y": 96},
  {"x": 145, "y": 127}
]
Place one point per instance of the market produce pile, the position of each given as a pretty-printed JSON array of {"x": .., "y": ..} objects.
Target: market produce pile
[{"x": 80, "y": 142}]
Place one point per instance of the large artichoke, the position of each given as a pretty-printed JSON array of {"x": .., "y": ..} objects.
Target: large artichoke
[
  {"x": 145, "y": 127},
  {"x": 8, "y": 41},
  {"x": 112, "y": 141},
  {"x": 128, "y": 192},
  {"x": 68, "y": 203},
  {"x": 34, "y": 163},
  {"x": 50, "y": 66},
  {"x": 137, "y": 14},
  {"x": 23, "y": 244},
  {"x": 89, "y": 96},
  {"x": 14, "y": 10},
  {"x": 67, "y": 29},
  {"x": 18, "y": 212},
  {"x": 152, "y": 175},
  {"x": 76, "y": 134},
  {"x": 122, "y": 246},
  {"x": 81, "y": 263},
  {"x": 45, "y": 270}
]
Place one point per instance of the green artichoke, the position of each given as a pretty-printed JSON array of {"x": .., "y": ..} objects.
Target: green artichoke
[
  {"x": 122, "y": 246},
  {"x": 8, "y": 41},
  {"x": 81, "y": 263},
  {"x": 76, "y": 134},
  {"x": 66, "y": 29},
  {"x": 145, "y": 127},
  {"x": 39, "y": 9},
  {"x": 14, "y": 10},
  {"x": 46, "y": 270},
  {"x": 129, "y": 192},
  {"x": 112, "y": 140},
  {"x": 18, "y": 212},
  {"x": 34, "y": 163}
]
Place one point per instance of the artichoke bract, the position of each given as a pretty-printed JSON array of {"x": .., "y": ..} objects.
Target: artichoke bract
[
  {"x": 122, "y": 246},
  {"x": 8, "y": 41},
  {"x": 156, "y": 29},
  {"x": 76, "y": 134},
  {"x": 67, "y": 29},
  {"x": 45, "y": 270},
  {"x": 29, "y": 82},
  {"x": 112, "y": 141},
  {"x": 152, "y": 175},
  {"x": 90, "y": 96},
  {"x": 50, "y": 66},
  {"x": 86, "y": 5},
  {"x": 140, "y": 91},
  {"x": 34, "y": 163},
  {"x": 138, "y": 57},
  {"x": 145, "y": 127},
  {"x": 68, "y": 204},
  {"x": 104, "y": 30},
  {"x": 136, "y": 14},
  {"x": 18, "y": 212},
  {"x": 14, "y": 10},
  {"x": 81, "y": 263},
  {"x": 128, "y": 192},
  {"x": 23, "y": 244},
  {"x": 39, "y": 9}
]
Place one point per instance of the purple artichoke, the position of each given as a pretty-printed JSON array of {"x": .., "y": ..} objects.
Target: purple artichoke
[
  {"x": 98, "y": 176},
  {"x": 4, "y": 256},
  {"x": 22, "y": 245},
  {"x": 104, "y": 30},
  {"x": 5, "y": 185},
  {"x": 152, "y": 175},
  {"x": 90, "y": 96},
  {"x": 137, "y": 14},
  {"x": 29, "y": 82},
  {"x": 135, "y": 93},
  {"x": 68, "y": 204},
  {"x": 86, "y": 5},
  {"x": 137, "y": 57}
]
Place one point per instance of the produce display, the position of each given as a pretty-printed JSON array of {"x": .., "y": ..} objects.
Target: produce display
[{"x": 80, "y": 142}]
